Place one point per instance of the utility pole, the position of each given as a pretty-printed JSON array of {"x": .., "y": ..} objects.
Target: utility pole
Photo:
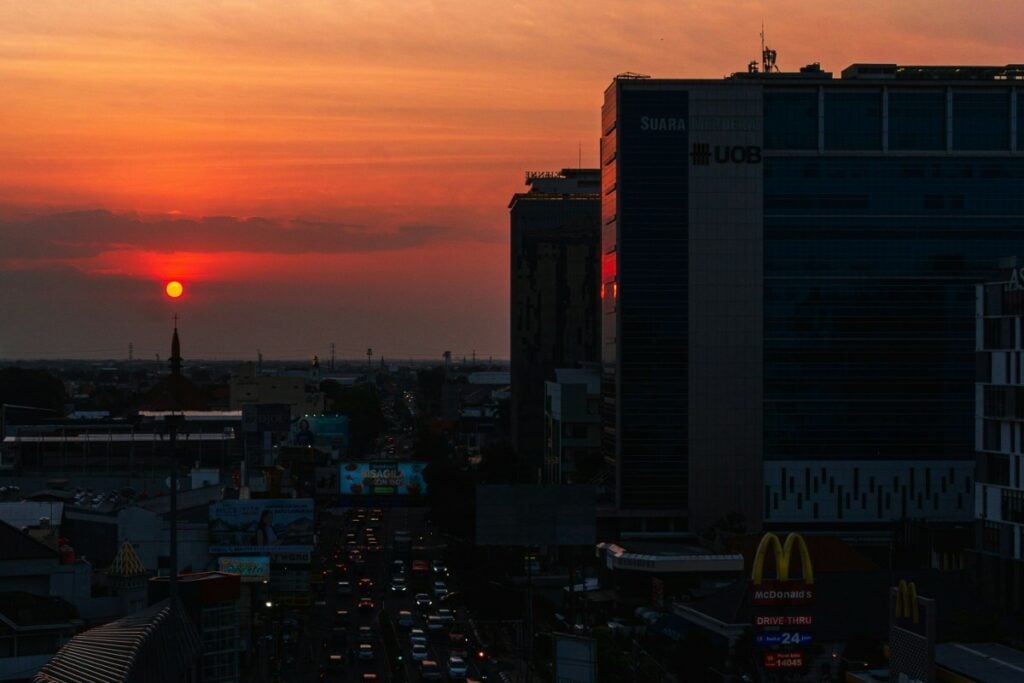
[
  {"x": 332, "y": 356},
  {"x": 172, "y": 428}
]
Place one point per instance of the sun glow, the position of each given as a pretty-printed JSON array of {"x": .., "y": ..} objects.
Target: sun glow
[{"x": 174, "y": 289}]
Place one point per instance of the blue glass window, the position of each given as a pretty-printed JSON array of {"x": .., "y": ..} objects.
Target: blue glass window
[
  {"x": 917, "y": 120},
  {"x": 853, "y": 120},
  {"x": 791, "y": 120},
  {"x": 1020, "y": 120},
  {"x": 981, "y": 121}
]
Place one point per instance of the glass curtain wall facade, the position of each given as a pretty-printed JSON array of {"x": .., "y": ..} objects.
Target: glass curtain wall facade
[
  {"x": 884, "y": 203},
  {"x": 644, "y": 296}
]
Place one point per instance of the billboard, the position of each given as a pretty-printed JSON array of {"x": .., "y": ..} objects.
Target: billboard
[
  {"x": 387, "y": 477},
  {"x": 266, "y": 417},
  {"x": 251, "y": 569},
  {"x": 323, "y": 431},
  {"x": 268, "y": 526},
  {"x": 575, "y": 659}
]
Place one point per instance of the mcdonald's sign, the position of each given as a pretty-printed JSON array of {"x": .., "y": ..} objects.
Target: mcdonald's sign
[
  {"x": 906, "y": 602},
  {"x": 782, "y": 590}
]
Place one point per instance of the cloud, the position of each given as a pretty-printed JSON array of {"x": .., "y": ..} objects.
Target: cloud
[{"x": 69, "y": 236}]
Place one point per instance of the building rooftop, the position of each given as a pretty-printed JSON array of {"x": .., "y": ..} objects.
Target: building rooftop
[
  {"x": 29, "y": 513},
  {"x": 668, "y": 558},
  {"x": 155, "y": 645},
  {"x": 590, "y": 377},
  {"x": 17, "y": 545},
  {"x": 988, "y": 662}
]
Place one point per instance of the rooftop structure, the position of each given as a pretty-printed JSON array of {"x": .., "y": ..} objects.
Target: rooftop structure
[{"x": 155, "y": 645}]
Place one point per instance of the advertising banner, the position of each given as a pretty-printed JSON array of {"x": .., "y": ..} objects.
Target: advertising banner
[
  {"x": 261, "y": 527},
  {"x": 323, "y": 431},
  {"x": 771, "y": 638},
  {"x": 266, "y": 417},
  {"x": 782, "y": 593},
  {"x": 783, "y": 660},
  {"x": 251, "y": 569},
  {"x": 383, "y": 478},
  {"x": 783, "y": 620},
  {"x": 575, "y": 659}
]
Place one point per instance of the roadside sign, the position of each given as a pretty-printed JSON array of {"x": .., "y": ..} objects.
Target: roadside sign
[
  {"x": 783, "y": 620},
  {"x": 782, "y": 593},
  {"x": 769, "y": 638},
  {"x": 266, "y": 417},
  {"x": 783, "y": 660}
]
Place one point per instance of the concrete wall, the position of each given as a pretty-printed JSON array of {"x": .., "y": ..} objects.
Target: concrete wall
[{"x": 726, "y": 320}]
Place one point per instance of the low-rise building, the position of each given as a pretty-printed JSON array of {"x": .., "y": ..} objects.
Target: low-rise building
[{"x": 572, "y": 426}]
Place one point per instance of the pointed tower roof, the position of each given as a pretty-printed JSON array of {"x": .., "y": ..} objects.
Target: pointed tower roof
[
  {"x": 174, "y": 392},
  {"x": 175, "y": 350},
  {"x": 126, "y": 563}
]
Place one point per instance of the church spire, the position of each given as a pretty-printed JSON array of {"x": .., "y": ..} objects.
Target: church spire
[{"x": 175, "y": 350}]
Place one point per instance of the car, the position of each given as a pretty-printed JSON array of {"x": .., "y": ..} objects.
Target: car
[
  {"x": 398, "y": 568},
  {"x": 335, "y": 662},
  {"x": 438, "y": 567},
  {"x": 457, "y": 668},
  {"x": 340, "y": 569},
  {"x": 405, "y": 619},
  {"x": 440, "y": 589},
  {"x": 353, "y": 554},
  {"x": 398, "y": 585},
  {"x": 365, "y": 585},
  {"x": 423, "y": 601},
  {"x": 365, "y": 635},
  {"x": 429, "y": 670},
  {"x": 434, "y": 623},
  {"x": 419, "y": 652},
  {"x": 369, "y": 676},
  {"x": 342, "y": 617},
  {"x": 366, "y": 651},
  {"x": 344, "y": 588},
  {"x": 365, "y": 605},
  {"x": 418, "y": 635},
  {"x": 446, "y": 616}
]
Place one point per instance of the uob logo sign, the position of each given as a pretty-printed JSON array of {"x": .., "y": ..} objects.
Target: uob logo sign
[{"x": 702, "y": 154}]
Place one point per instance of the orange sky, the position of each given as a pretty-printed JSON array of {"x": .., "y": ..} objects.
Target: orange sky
[{"x": 409, "y": 119}]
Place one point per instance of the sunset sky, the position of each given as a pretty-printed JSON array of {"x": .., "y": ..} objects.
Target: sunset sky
[{"x": 340, "y": 171}]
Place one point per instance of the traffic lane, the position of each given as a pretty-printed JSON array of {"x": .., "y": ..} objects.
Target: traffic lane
[{"x": 368, "y": 569}]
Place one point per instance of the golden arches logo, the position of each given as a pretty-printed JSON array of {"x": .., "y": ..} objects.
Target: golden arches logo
[
  {"x": 783, "y": 553},
  {"x": 906, "y": 601}
]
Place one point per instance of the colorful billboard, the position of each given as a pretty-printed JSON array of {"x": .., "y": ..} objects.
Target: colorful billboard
[
  {"x": 251, "y": 569},
  {"x": 269, "y": 526},
  {"x": 385, "y": 477},
  {"x": 323, "y": 431}
]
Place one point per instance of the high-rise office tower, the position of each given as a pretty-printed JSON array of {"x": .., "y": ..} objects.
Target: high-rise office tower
[
  {"x": 999, "y": 440},
  {"x": 555, "y": 242},
  {"x": 788, "y": 261}
]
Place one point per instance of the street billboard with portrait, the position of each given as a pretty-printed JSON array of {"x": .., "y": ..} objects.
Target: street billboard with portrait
[{"x": 270, "y": 526}]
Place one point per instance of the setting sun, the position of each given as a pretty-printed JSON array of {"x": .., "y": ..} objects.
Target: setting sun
[{"x": 174, "y": 289}]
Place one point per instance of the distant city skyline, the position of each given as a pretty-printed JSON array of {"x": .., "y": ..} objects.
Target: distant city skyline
[{"x": 358, "y": 159}]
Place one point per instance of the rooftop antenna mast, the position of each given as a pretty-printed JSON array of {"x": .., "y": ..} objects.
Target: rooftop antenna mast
[{"x": 767, "y": 56}]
